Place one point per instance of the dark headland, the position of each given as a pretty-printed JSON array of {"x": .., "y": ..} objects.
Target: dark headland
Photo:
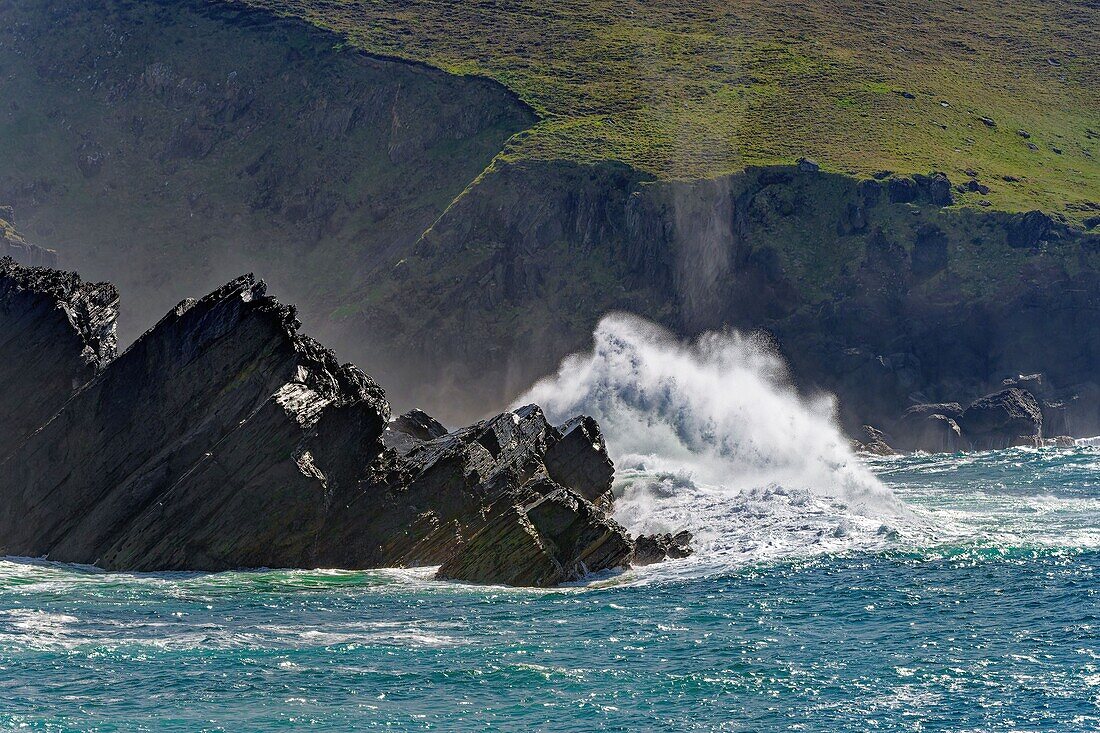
[{"x": 223, "y": 438}]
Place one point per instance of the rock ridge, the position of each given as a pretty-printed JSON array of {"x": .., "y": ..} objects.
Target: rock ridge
[{"x": 224, "y": 438}]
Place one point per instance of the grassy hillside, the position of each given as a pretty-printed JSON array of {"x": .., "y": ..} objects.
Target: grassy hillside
[{"x": 691, "y": 88}]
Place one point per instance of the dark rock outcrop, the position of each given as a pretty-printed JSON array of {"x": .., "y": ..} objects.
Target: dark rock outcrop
[
  {"x": 650, "y": 549},
  {"x": 579, "y": 459},
  {"x": 427, "y": 501},
  {"x": 1002, "y": 420},
  {"x": 224, "y": 438},
  {"x": 543, "y": 535},
  {"x": 56, "y": 333},
  {"x": 214, "y": 442}
]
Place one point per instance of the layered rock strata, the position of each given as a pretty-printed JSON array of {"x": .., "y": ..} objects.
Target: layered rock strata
[
  {"x": 223, "y": 438},
  {"x": 56, "y": 333}
]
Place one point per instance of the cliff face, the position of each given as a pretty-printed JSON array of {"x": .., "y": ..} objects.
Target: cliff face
[
  {"x": 873, "y": 289},
  {"x": 170, "y": 145},
  {"x": 56, "y": 333},
  {"x": 223, "y": 438},
  {"x": 167, "y": 145}
]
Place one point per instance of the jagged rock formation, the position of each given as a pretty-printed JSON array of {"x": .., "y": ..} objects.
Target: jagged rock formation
[
  {"x": 429, "y": 497},
  {"x": 210, "y": 443},
  {"x": 56, "y": 333},
  {"x": 224, "y": 438}
]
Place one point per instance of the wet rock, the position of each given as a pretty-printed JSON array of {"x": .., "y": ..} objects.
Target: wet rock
[
  {"x": 543, "y": 535},
  {"x": 650, "y": 549},
  {"x": 580, "y": 461},
  {"x": 56, "y": 333},
  {"x": 988, "y": 121},
  {"x": 872, "y": 441},
  {"x": 1001, "y": 420},
  {"x": 442, "y": 492},
  {"x": 1024, "y": 134}
]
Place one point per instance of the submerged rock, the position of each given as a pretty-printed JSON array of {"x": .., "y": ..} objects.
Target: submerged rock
[
  {"x": 56, "y": 333},
  {"x": 223, "y": 438}
]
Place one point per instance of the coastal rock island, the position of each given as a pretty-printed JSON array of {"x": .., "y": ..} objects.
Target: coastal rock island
[{"x": 223, "y": 438}]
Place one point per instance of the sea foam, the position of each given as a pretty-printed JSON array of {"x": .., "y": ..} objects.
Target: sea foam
[{"x": 710, "y": 435}]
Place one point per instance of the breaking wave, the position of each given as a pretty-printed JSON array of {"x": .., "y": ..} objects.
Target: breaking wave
[{"x": 710, "y": 435}]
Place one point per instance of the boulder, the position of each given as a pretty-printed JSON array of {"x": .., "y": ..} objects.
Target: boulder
[
  {"x": 808, "y": 165},
  {"x": 56, "y": 333},
  {"x": 1002, "y": 420},
  {"x": 650, "y": 549}
]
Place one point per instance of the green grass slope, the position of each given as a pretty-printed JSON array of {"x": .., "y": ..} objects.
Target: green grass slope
[{"x": 698, "y": 88}]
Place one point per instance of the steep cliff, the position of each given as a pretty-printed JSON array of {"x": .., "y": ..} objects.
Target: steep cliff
[
  {"x": 427, "y": 231},
  {"x": 877, "y": 290}
]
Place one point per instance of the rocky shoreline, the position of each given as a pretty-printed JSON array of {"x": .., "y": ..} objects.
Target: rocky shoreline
[
  {"x": 1013, "y": 417},
  {"x": 223, "y": 438}
]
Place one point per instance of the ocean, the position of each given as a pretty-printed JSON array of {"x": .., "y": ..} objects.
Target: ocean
[{"x": 829, "y": 592}]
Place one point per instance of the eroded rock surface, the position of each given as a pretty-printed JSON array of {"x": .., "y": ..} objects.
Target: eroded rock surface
[
  {"x": 214, "y": 442},
  {"x": 224, "y": 438}
]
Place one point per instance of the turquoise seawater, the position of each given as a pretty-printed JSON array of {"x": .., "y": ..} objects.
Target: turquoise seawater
[{"x": 973, "y": 607}]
